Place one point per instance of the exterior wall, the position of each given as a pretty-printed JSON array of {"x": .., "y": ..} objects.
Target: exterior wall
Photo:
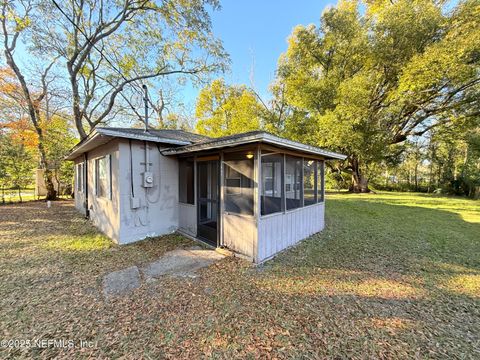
[
  {"x": 135, "y": 212},
  {"x": 187, "y": 218},
  {"x": 240, "y": 234},
  {"x": 104, "y": 212},
  {"x": 277, "y": 232},
  {"x": 154, "y": 211}
]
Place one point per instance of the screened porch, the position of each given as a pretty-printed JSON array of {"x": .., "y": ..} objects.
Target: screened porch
[{"x": 239, "y": 197}]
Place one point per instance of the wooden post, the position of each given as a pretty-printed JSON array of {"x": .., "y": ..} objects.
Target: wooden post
[{"x": 221, "y": 202}]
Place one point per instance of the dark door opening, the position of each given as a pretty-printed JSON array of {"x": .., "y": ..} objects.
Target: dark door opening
[{"x": 207, "y": 201}]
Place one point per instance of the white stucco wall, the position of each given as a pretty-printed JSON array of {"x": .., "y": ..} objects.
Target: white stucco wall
[
  {"x": 104, "y": 212},
  {"x": 157, "y": 213}
]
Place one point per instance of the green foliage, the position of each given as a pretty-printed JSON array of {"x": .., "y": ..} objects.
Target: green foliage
[
  {"x": 223, "y": 109},
  {"x": 16, "y": 165},
  {"x": 366, "y": 81}
]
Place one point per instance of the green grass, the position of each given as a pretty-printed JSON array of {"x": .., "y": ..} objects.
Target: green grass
[
  {"x": 393, "y": 275},
  {"x": 11, "y": 196}
]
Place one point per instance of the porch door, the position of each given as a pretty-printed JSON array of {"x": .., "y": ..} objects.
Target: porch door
[{"x": 207, "y": 201}]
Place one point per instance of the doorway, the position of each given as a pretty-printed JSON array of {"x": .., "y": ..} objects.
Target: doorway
[{"x": 207, "y": 201}]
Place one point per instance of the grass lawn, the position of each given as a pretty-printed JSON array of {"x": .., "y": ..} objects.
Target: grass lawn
[{"x": 392, "y": 276}]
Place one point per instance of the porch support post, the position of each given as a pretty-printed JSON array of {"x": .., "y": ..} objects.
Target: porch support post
[
  {"x": 221, "y": 206},
  {"x": 257, "y": 163}
]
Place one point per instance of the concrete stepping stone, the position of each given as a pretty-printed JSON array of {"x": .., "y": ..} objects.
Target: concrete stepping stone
[
  {"x": 183, "y": 263},
  {"x": 121, "y": 282}
]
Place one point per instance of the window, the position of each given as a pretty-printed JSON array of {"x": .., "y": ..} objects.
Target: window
[
  {"x": 309, "y": 182},
  {"x": 238, "y": 182},
  {"x": 186, "y": 181},
  {"x": 80, "y": 176},
  {"x": 293, "y": 182},
  {"x": 103, "y": 177},
  {"x": 272, "y": 184},
  {"x": 320, "y": 180}
]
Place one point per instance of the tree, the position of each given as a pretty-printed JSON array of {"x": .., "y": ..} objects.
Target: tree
[
  {"x": 110, "y": 46},
  {"x": 364, "y": 82},
  {"x": 16, "y": 164},
  {"x": 223, "y": 109},
  {"x": 12, "y": 25}
]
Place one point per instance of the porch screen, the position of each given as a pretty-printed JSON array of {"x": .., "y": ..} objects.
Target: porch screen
[
  {"x": 238, "y": 182},
  {"x": 293, "y": 182},
  {"x": 272, "y": 184},
  {"x": 186, "y": 181},
  {"x": 320, "y": 180},
  {"x": 309, "y": 181}
]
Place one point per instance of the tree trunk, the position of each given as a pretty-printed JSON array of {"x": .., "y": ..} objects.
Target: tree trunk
[
  {"x": 416, "y": 176},
  {"x": 359, "y": 180},
  {"x": 49, "y": 185},
  {"x": 47, "y": 174}
]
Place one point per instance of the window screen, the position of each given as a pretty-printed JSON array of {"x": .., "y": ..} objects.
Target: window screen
[
  {"x": 186, "y": 181},
  {"x": 320, "y": 180},
  {"x": 272, "y": 184},
  {"x": 293, "y": 182},
  {"x": 102, "y": 177},
  {"x": 238, "y": 182},
  {"x": 309, "y": 182}
]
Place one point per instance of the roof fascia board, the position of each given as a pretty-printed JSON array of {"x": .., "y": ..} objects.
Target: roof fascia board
[{"x": 267, "y": 138}]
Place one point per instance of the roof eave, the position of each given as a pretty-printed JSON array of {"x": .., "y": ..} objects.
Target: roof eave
[
  {"x": 146, "y": 137},
  {"x": 266, "y": 138},
  {"x": 79, "y": 149}
]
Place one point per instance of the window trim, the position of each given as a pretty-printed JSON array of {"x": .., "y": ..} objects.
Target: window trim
[{"x": 108, "y": 159}]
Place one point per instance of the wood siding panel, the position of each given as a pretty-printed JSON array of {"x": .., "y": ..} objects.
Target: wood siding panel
[
  {"x": 240, "y": 234},
  {"x": 187, "y": 218},
  {"x": 280, "y": 231}
]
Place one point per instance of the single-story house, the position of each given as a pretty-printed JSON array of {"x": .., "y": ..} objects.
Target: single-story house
[{"x": 254, "y": 193}]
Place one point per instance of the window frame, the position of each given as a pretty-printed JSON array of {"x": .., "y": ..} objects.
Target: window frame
[
  {"x": 80, "y": 178},
  {"x": 108, "y": 185},
  {"x": 228, "y": 193},
  {"x": 281, "y": 156},
  {"x": 319, "y": 181},
  {"x": 315, "y": 181},
  {"x": 320, "y": 175},
  {"x": 299, "y": 168}
]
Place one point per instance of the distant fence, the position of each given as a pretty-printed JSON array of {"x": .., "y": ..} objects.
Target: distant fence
[{"x": 9, "y": 196}]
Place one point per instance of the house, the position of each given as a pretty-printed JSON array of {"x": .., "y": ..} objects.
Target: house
[{"x": 253, "y": 193}]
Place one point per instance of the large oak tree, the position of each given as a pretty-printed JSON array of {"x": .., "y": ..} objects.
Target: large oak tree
[{"x": 366, "y": 80}]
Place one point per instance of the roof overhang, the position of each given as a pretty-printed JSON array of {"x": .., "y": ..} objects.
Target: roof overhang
[
  {"x": 102, "y": 136},
  {"x": 260, "y": 137}
]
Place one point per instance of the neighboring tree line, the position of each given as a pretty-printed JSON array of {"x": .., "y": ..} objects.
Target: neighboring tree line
[
  {"x": 87, "y": 61},
  {"x": 394, "y": 85}
]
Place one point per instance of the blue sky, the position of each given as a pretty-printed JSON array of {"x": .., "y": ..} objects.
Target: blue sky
[{"x": 256, "y": 32}]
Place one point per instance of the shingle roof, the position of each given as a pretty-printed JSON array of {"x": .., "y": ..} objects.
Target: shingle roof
[
  {"x": 185, "y": 142},
  {"x": 252, "y": 137},
  {"x": 102, "y": 135},
  {"x": 179, "y": 135}
]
